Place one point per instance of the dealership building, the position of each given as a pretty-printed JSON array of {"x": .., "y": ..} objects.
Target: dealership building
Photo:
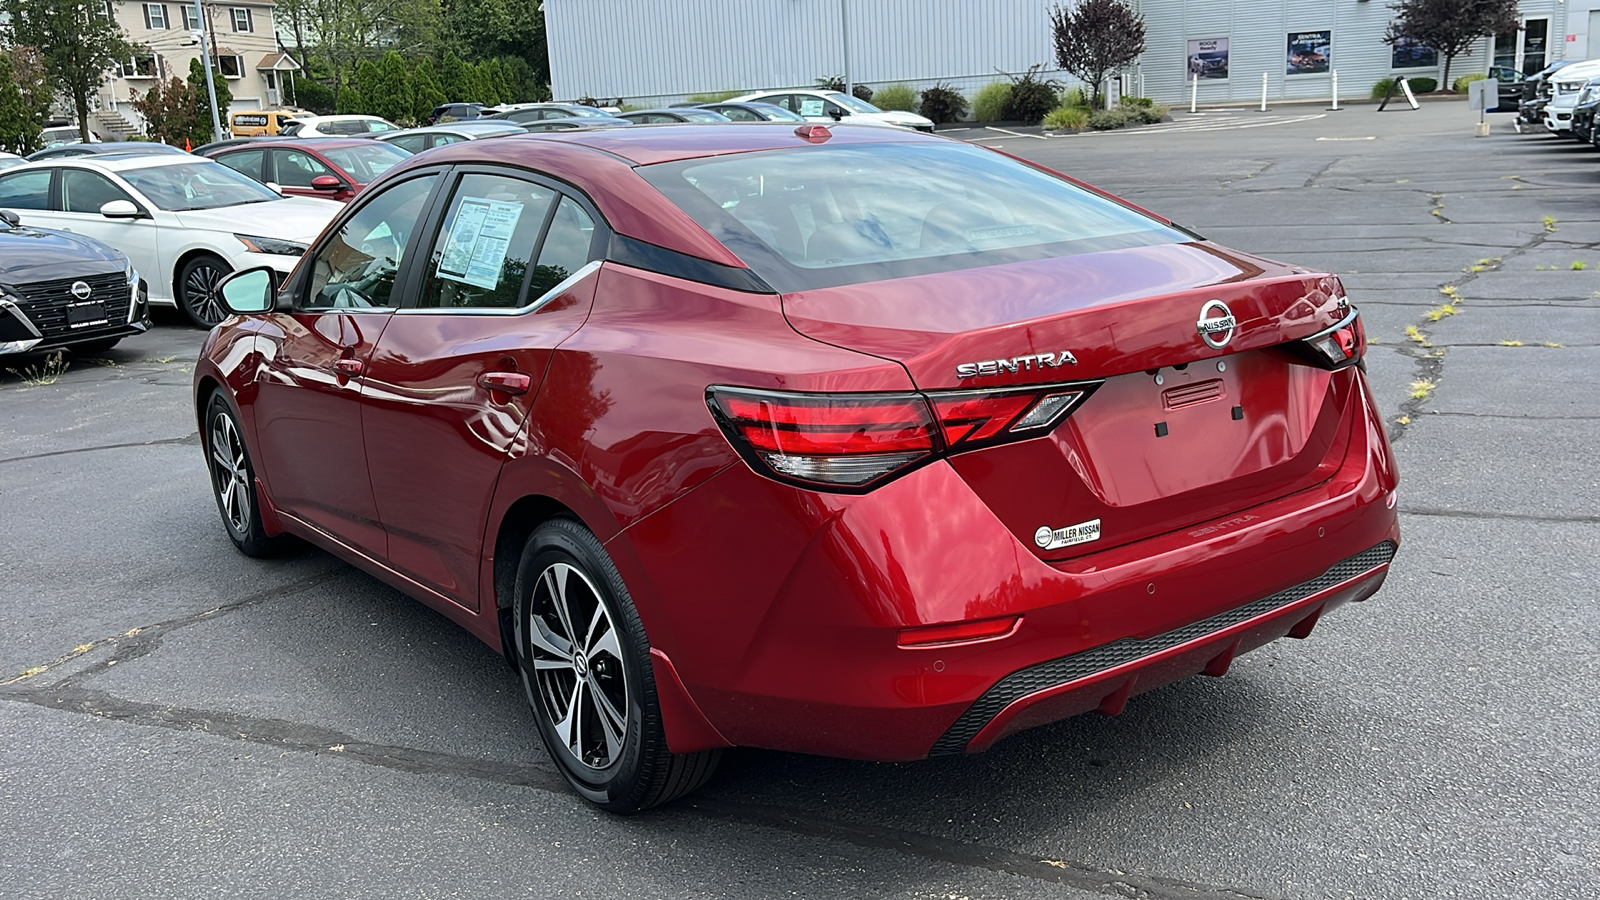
[{"x": 648, "y": 53}]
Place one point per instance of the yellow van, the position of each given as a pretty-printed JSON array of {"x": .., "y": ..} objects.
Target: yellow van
[{"x": 256, "y": 122}]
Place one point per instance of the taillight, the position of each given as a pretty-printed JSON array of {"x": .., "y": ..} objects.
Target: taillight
[
  {"x": 854, "y": 442},
  {"x": 1343, "y": 344}
]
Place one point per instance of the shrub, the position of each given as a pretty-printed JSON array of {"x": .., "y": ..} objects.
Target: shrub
[
  {"x": 1460, "y": 85},
  {"x": 1076, "y": 97},
  {"x": 1423, "y": 85},
  {"x": 1108, "y": 119},
  {"x": 714, "y": 97},
  {"x": 1067, "y": 118},
  {"x": 314, "y": 96},
  {"x": 989, "y": 104},
  {"x": 1031, "y": 97},
  {"x": 1382, "y": 88},
  {"x": 1147, "y": 112},
  {"x": 896, "y": 96},
  {"x": 836, "y": 83},
  {"x": 943, "y": 104}
]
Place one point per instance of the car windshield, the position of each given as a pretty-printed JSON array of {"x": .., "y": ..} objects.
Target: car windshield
[
  {"x": 367, "y": 161},
  {"x": 583, "y": 111},
  {"x": 701, "y": 115},
  {"x": 826, "y": 216},
  {"x": 196, "y": 185},
  {"x": 851, "y": 103}
]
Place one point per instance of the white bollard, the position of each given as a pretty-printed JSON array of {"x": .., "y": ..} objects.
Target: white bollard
[
  {"x": 1194, "y": 91},
  {"x": 1335, "y": 89},
  {"x": 1263, "y": 92}
]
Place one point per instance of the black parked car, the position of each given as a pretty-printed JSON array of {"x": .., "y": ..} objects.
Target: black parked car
[
  {"x": 59, "y": 289},
  {"x": 455, "y": 112},
  {"x": 1535, "y": 94}
]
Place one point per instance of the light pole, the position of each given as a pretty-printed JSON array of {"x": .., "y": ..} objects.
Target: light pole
[
  {"x": 844, "y": 25},
  {"x": 205, "y": 50}
]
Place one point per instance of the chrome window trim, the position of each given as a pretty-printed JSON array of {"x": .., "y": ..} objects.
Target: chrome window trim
[{"x": 561, "y": 287}]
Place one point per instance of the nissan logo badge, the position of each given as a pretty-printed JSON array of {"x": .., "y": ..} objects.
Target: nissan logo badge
[
  {"x": 81, "y": 290},
  {"x": 1216, "y": 324}
]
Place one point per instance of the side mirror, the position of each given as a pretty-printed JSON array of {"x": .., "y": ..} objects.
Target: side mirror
[
  {"x": 11, "y": 219},
  {"x": 120, "y": 209},
  {"x": 838, "y": 112},
  {"x": 250, "y": 292},
  {"x": 326, "y": 183},
  {"x": 275, "y": 188}
]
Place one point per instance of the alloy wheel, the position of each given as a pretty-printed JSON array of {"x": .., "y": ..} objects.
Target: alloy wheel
[
  {"x": 579, "y": 676},
  {"x": 200, "y": 293},
  {"x": 230, "y": 473}
]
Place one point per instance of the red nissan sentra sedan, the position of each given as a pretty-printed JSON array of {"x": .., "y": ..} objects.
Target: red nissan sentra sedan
[{"x": 845, "y": 440}]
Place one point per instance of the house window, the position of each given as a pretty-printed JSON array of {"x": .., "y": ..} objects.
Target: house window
[
  {"x": 191, "y": 18},
  {"x": 109, "y": 11},
  {"x": 155, "y": 16},
  {"x": 141, "y": 66},
  {"x": 230, "y": 66},
  {"x": 241, "y": 19}
]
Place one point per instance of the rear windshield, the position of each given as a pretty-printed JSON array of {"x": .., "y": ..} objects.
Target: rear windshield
[{"x": 825, "y": 216}]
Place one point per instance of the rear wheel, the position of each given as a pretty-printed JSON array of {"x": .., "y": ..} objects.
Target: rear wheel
[
  {"x": 585, "y": 664},
  {"x": 197, "y": 289},
  {"x": 233, "y": 481}
]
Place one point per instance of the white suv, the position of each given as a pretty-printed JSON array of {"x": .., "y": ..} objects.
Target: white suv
[
  {"x": 1566, "y": 84},
  {"x": 336, "y": 126}
]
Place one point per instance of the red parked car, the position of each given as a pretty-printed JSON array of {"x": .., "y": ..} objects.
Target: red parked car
[
  {"x": 330, "y": 168},
  {"x": 849, "y": 441}
]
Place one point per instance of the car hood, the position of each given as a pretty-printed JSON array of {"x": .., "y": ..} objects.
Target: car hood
[
  {"x": 291, "y": 218},
  {"x": 34, "y": 254}
]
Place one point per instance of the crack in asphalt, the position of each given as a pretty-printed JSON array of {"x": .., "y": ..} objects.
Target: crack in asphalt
[
  {"x": 69, "y": 695},
  {"x": 192, "y": 437}
]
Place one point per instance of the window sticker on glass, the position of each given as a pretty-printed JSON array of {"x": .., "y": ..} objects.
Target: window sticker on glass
[
  {"x": 810, "y": 107},
  {"x": 479, "y": 238}
]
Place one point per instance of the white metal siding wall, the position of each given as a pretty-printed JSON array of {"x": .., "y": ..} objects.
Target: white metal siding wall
[{"x": 634, "y": 50}]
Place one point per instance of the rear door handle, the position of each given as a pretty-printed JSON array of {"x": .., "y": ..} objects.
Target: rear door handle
[
  {"x": 506, "y": 382},
  {"x": 348, "y": 368}
]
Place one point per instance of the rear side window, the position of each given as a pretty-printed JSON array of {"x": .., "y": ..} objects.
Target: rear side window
[
  {"x": 824, "y": 216},
  {"x": 25, "y": 190},
  {"x": 83, "y": 191},
  {"x": 481, "y": 255}
]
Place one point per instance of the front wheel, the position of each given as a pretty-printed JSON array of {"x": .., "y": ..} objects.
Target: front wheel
[
  {"x": 197, "y": 289},
  {"x": 233, "y": 481},
  {"x": 585, "y": 664}
]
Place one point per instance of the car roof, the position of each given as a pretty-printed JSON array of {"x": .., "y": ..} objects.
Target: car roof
[
  {"x": 469, "y": 125},
  {"x": 647, "y": 146},
  {"x": 312, "y": 143},
  {"x": 343, "y": 117},
  {"x": 120, "y": 162}
]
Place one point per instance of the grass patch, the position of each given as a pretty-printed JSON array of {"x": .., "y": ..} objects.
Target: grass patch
[
  {"x": 896, "y": 96},
  {"x": 989, "y": 104},
  {"x": 1067, "y": 118},
  {"x": 714, "y": 96},
  {"x": 47, "y": 372}
]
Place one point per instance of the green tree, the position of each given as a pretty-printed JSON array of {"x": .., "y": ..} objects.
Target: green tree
[
  {"x": 484, "y": 29},
  {"x": 77, "y": 42},
  {"x": 426, "y": 93},
  {"x": 368, "y": 83},
  {"x": 484, "y": 78},
  {"x": 19, "y": 127},
  {"x": 390, "y": 94},
  {"x": 350, "y": 101},
  {"x": 1096, "y": 38},
  {"x": 201, "y": 131},
  {"x": 1450, "y": 27},
  {"x": 455, "y": 79}
]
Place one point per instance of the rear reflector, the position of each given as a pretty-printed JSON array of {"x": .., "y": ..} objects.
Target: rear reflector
[
  {"x": 929, "y": 636},
  {"x": 854, "y": 442},
  {"x": 1341, "y": 345}
]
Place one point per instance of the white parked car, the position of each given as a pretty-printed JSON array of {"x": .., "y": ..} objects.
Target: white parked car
[
  {"x": 336, "y": 126},
  {"x": 1566, "y": 84},
  {"x": 836, "y": 106},
  {"x": 184, "y": 221},
  {"x": 8, "y": 160}
]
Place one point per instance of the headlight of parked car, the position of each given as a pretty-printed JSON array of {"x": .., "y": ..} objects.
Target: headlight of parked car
[{"x": 277, "y": 246}]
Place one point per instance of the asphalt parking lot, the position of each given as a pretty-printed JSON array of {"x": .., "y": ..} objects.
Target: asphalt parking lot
[{"x": 181, "y": 721}]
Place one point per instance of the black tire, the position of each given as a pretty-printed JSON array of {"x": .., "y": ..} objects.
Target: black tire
[
  {"x": 233, "y": 479},
  {"x": 565, "y": 575},
  {"x": 93, "y": 348},
  {"x": 196, "y": 289}
]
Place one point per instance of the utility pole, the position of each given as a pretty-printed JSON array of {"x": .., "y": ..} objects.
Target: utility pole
[
  {"x": 844, "y": 24},
  {"x": 205, "y": 50}
]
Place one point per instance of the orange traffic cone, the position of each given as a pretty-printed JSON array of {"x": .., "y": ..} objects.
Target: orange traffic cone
[{"x": 186, "y": 145}]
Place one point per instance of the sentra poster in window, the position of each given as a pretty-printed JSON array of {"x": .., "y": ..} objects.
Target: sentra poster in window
[{"x": 1310, "y": 52}]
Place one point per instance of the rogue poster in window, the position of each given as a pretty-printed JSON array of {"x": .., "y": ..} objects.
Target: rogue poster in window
[
  {"x": 1410, "y": 53},
  {"x": 1309, "y": 52},
  {"x": 1208, "y": 58}
]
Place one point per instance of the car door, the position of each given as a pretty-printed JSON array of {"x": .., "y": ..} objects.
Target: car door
[
  {"x": 307, "y": 408},
  {"x": 294, "y": 169},
  {"x": 455, "y": 374},
  {"x": 80, "y": 193}
]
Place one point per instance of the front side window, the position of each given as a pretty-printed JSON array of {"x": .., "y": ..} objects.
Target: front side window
[
  {"x": 83, "y": 191},
  {"x": 296, "y": 168},
  {"x": 25, "y": 190},
  {"x": 481, "y": 255},
  {"x": 356, "y": 268},
  {"x": 827, "y": 216},
  {"x": 245, "y": 162}
]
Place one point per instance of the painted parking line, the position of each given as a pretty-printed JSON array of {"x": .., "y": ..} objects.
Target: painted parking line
[{"x": 1218, "y": 123}]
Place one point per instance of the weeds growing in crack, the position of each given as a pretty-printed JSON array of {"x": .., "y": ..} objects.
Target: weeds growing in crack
[
  {"x": 47, "y": 372},
  {"x": 1422, "y": 387},
  {"x": 1549, "y": 224},
  {"x": 1510, "y": 343},
  {"x": 1579, "y": 265}
]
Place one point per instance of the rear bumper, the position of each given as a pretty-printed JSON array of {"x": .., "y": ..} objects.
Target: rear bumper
[{"x": 794, "y": 642}]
